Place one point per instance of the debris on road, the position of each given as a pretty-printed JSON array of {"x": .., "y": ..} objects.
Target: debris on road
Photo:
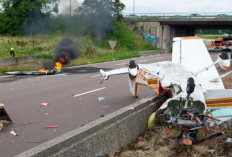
[
  {"x": 102, "y": 115},
  {"x": 13, "y": 133},
  {"x": 101, "y": 98},
  {"x": 44, "y": 104},
  {"x": 131, "y": 108},
  {"x": 25, "y": 124},
  {"x": 48, "y": 127}
]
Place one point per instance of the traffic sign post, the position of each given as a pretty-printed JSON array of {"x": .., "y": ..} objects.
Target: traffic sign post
[{"x": 112, "y": 45}]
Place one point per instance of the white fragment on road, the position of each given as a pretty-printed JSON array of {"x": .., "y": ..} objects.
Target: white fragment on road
[
  {"x": 96, "y": 75},
  {"x": 44, "y": 104},
  {"x": 121, "y": 64},
  {"x": 13, "y": 133},
  {"x": 88, "y": 92},
  {"x": 105, "y": 106},
  {"x": 101, "y": 98},
  {"x": 38, "y": 77},
  {"x": 131, "y": 108}
]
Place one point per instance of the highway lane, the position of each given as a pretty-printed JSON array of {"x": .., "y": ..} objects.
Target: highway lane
[{"x": 23, "y": 95}]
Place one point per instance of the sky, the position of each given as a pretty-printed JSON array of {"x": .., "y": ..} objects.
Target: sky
[{"x": 165, "y": 6}]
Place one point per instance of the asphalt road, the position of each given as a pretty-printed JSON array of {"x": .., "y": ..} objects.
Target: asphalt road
[{"x": 72, "y": 101}]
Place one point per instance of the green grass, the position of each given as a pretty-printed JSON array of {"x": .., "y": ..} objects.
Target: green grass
[{"x": 128, "y": 46}]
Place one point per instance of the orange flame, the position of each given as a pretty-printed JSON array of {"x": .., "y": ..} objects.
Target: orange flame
[
  {"x": 58, "y": 66},
  {"x": 42, "y": 69},
  {"x": 63, "y": 59}
]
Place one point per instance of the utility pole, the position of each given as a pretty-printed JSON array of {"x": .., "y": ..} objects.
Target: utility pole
[
  {"x": 70, "y": 8},
  {"x": 133, "y": 7}
]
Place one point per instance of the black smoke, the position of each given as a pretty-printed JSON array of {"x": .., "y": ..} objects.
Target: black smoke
[{"x": 64, "y": 48}]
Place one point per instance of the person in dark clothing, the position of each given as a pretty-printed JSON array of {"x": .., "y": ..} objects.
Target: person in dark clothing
[{"x": 12, "y": 52}]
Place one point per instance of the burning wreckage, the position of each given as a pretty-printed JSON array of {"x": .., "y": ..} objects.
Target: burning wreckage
[{"x": 64, "y": 52}]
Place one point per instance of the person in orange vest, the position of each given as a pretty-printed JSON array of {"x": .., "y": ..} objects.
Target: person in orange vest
[{"x": 12, "y": 52}]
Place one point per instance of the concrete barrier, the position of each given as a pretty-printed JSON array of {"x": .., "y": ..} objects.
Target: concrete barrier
[
  {"x": 148, "y": 53},
  {"x": 19, "y": 60},
  {"x": 107, "y": 134}
]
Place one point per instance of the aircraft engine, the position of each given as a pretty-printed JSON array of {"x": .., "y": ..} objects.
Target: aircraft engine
[
  {"x": 224, "y": 61},
  {"x": 133, "y": 70}
]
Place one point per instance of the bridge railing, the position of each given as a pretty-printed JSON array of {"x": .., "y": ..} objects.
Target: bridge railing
[{"x": 178, "y": 15}]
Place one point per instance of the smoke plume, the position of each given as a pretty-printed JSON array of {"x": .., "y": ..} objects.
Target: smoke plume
[{"x": 64, "y": 48}]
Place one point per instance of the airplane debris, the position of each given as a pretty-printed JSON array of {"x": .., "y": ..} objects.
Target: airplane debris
[
  {"x": 229, "y": 140},
  {"x": 44, "y": 104},
  {"x": 13, "y": 133},
  {"x": 101, "y": 98},
  {"x": 48, "y": 127},
  {"x": 131, "y": 108},
  {"x": 180, "y": 88},
  {"x": 212, "y": 151},
  {"x": 25, "y": 124},
  {"x": 4, "y": 115}
]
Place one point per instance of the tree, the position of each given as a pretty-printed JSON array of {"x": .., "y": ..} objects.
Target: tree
[
  {"x": 117, "y": 8},
  {"x": 19, "y": 16},
  {"x": 100, "y": 14}
]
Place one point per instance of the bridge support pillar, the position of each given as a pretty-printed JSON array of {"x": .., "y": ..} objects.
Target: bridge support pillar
[
  {"x": 166, "y": 39},
  {"x": 169, "y": 32}
]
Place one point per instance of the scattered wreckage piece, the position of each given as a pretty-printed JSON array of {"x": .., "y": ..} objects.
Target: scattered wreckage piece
[
  {"x": 4, "y": 115},
  {"x": 51, "y": 72}
]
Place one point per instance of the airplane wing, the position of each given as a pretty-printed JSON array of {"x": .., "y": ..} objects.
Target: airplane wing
[
  {"x": 192, "y": 53},
  {"x": 105, "y": 75}
]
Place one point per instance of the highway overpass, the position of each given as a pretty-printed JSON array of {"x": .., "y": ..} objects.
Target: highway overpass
[{"x": 165, "y": 26}]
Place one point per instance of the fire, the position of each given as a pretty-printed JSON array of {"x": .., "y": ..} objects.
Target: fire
[
  {"x": 42, "y": 69},
  {"x": 63, "y": 59},
  {"x": 58, "y": 66}
]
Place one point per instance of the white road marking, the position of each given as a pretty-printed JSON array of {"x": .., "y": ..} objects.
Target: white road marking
[
  {"x": 121, "y": 64},
  {"x": 142, "y": 61},
  {"x": 96, "y": 75},
  {"x": 88, "y": 92}
]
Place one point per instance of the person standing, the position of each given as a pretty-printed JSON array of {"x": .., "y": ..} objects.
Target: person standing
[{"x": 12, "y": 52}]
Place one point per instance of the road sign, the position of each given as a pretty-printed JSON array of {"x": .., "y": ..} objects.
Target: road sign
[{"x": 112, "y": 45}]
